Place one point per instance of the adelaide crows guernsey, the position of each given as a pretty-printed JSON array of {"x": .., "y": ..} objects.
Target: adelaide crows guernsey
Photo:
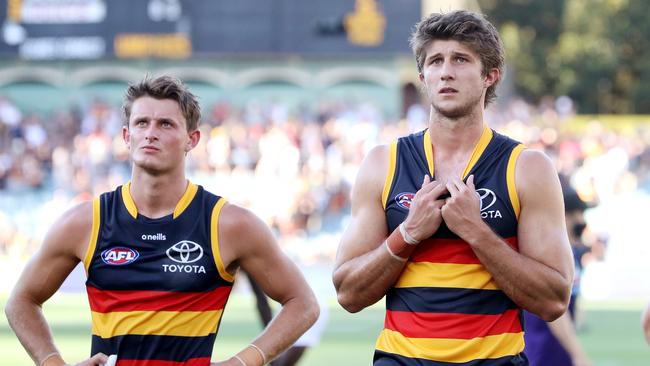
[
  {"x": 156, "y": 287},
  {"x": 445, "y": 308}
]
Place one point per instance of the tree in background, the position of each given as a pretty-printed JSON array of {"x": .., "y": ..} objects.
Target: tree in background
[{"x": 595, "y": 51}]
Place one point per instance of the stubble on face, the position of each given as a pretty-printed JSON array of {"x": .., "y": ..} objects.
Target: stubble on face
[{"x": 459, "y": 111}]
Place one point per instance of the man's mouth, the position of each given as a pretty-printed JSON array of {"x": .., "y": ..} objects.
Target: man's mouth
[{"x": 447, "y": 90}]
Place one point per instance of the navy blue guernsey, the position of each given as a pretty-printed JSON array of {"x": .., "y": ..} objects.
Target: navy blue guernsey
[
  {"x": 157, "y": 288},
  {"x": 445, "y": 307}
]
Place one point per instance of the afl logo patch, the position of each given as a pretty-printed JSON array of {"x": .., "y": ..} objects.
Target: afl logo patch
[
  {"x": 404, "y": 199},
  {"x": 119, "y": 256}
]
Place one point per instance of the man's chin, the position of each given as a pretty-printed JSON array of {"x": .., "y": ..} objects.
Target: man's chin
[
  {"x": 151, "y": 168},
  {"x": 453, "y": 112}
]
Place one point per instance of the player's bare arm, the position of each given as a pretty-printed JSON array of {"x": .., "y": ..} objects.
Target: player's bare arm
[
  {"x": 247, "y": 242},
  {"x": 564, "y": 330},
  {"x": 365, "y": 268},
  {"x": 63, "y": 247},
  {"x": 538, "y": 277}
]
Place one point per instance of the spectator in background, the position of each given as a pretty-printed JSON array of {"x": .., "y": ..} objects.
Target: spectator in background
[
  {"x": 556, "y": 343},
  {"x": 574, "y": 208}
]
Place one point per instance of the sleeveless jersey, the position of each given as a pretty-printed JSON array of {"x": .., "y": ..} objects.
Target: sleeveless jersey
[
  {"x": 156, "y": 287},
  {"x": 445, "y": 308}
]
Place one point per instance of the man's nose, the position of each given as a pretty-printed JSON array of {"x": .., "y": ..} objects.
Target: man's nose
[
  {"x": 446, "y": 71},
  {"x": 151, "y": 133}
]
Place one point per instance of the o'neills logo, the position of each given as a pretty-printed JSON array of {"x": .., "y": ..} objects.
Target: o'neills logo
[
  {"x": 157, "y": 236},
  {"x": 184, "y": 252}
]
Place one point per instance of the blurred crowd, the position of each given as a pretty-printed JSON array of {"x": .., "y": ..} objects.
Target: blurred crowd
[{"x": 293, "y": 167}]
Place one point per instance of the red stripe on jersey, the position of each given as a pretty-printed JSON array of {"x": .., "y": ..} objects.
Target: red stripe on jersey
[
  {"x": 450, "y": 251},
  {"x": 452, "y": 325},
  {"x": 202, "y": 361},
  {"x": 104, "y": 301}
]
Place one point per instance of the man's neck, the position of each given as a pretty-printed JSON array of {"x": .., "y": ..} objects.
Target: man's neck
[
  {"x": 156, "y": 196},
  {"x": 455, "y": 135}
]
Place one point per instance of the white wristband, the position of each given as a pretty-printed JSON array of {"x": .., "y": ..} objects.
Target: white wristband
[
  {"x": 393, "y": 254},
  {"x": 53, "y": 354},
  {"x": 240, "y": 360},
  {"x": 407, "y": 238},
  {"x": 259, "y": 350}
]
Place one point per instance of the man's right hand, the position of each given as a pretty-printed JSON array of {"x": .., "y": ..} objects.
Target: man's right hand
[
  {"x": 425, "y": 215},
  {"x": 99, "y": 359}
]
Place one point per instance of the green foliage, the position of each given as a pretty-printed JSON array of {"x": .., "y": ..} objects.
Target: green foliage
[{"x": 595, "y": 51}]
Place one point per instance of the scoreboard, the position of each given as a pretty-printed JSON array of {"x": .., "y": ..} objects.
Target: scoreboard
[{"x": 182, "y": 29}]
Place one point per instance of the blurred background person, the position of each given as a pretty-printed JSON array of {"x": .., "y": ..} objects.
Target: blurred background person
[{"x": 556, "y": 342}]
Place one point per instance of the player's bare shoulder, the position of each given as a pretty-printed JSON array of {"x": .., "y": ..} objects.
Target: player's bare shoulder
[
  {"x": 532, "y": 160},
  {"x": 240, "y": 231},
  {"x": 237, "y": 221},
  {"x": 71, "y": 232},
  {"x": 372, "y": 172},
  {"x": 536, "y": 177}
]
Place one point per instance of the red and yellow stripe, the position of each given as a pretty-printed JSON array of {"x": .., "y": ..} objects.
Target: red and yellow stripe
[
  {"x": 452, "y": 325},
  {"x": 187, "y": 314},
  {"x": 104, "y": 301},
  {"x": 449, "y": 349},
  {"x": 451, "y": 251}
]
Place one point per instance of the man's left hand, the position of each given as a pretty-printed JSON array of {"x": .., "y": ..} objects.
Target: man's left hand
[{"x": 462, "y": 211}]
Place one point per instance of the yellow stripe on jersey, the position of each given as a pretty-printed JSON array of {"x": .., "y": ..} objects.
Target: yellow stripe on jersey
[
  {"x": 392, "y": 159},
  {"x": 94, "y": 234},
  {"x": 185, "y": 201},
  {"x": 510, "y": 178},
  {"x": 486, "y": 137},
  {"x": 451, "y": 350},
  {"x": 426, "y": 274},
  {"x": 214, "y": 239},
  {"x": 428, "y": 152},
  {"x": 128, "y": 200},
  {"x": 170, "y": 323}
]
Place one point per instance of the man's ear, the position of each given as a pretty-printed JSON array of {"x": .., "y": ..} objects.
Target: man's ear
[
  {"x": 195, "y": 136},
  {"x": 492, "y": 77},
  {"x": 126, "y": 136}
]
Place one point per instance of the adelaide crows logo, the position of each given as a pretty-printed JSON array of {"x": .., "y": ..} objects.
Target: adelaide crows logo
[{"x": 404, "y": 199}]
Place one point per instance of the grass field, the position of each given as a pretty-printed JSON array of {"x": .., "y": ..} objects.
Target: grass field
[{"x": 612, "y": 338}]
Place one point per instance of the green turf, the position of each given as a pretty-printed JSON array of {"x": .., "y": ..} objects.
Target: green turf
[{"x": 612, "y": 336}]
